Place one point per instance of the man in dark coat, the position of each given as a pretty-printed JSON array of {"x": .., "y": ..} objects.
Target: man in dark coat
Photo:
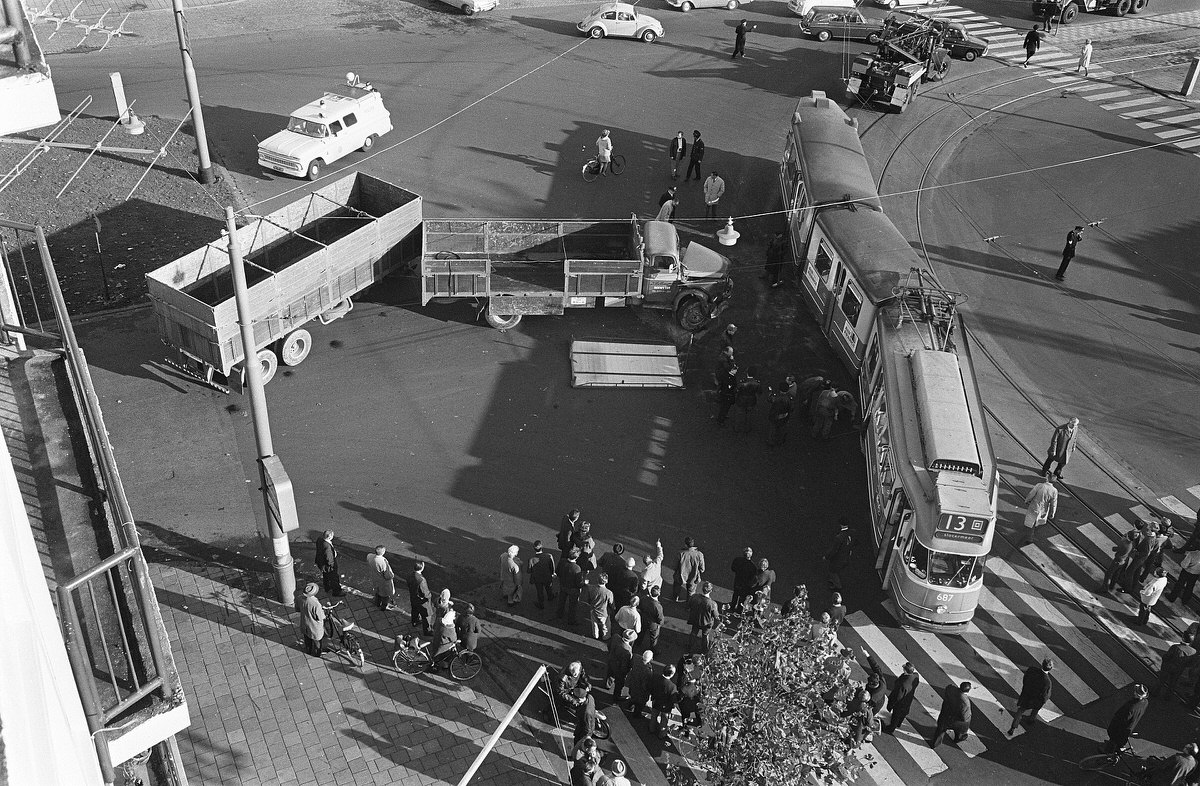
[
  {"x": 1073, "y": 238},
  {"x": 326, "y": 561},
  {"x": 955, "y": 715},
  {"x": 1125, "y": 721},
  {"x": 1035, "y": 692},
  {"x": 695, "y": 157},
  {"x": 652, "y": 618},
  {"x": 585, "y": 714},
  {"x": 468, "y": 629},
  {"x": 1177, "y": 658},
  {"x": 764, "y": 579},
  {"x": 639, "y": 679},
  {"x": 620, "y": 660},
  {"x": 541, "y": 574},
  {"x": 703, "y": 615},
  {"x": 663, "y": 696},
  {"x": 739, "y": 38},
  {"x": 624, "y": 583},
  {"x": 901, "y": 698},
  {"x": 689, "y": 569},
  {"x": 570, "y": 582},
  {"x": 743, "y": 569},
  {"x": 418, "y": 597},
  {"x": 566, "y": 530},
  {"x": 1122, "y": 556},
  {"x": 837, "y": 609},
  {"x": 727, "y": 382},
  {"x": 838, "y": 555},
  {"x": 1033, "y": 42}
]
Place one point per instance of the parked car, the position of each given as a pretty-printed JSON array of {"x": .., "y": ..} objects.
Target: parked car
[
  {"x": 961, "y": 44},
  {"x": 899, "y": 3},
  {"x": 688, "y": 5},
  {"x": 802, "y": 7},
  {"x": 621, "y": 20},
  {"x": 825, "y": 22},
  {"x": 472, "y": 7}
]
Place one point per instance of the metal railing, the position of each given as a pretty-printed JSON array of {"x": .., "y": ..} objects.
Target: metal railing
[{"x": 109, "y": 609}]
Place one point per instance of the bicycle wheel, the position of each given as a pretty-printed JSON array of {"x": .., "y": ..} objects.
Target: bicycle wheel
[
  {"x": 591, "y": 170},
  {"x": 617, "y": 165},
  {"x": 465, "y": 665},
  {"x": 1098, "y": 761},
  {"x": 603, "y": 731},
  {"x": 408, "y": 664}
]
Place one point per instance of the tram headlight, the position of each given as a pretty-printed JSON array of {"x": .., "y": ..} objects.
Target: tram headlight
[{"x": 940, "y": 610}]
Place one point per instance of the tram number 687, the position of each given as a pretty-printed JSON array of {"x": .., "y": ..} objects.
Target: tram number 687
[{"x": 944, "y": 597}]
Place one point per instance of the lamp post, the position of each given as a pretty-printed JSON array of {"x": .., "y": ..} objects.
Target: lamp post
[
  {"x": 278, "y": 499},
  {"x": 204, "y": 173}
]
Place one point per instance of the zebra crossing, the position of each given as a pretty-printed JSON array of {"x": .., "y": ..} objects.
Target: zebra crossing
[
  {"x": 1044, "y": 600},
  {"x": 1175, "y": 123}
]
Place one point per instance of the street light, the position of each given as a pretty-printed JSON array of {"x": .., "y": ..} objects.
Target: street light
[{"x": 205, "y": 173}]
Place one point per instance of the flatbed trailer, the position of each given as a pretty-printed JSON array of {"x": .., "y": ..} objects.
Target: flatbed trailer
[{"x": 303, "y": 262}]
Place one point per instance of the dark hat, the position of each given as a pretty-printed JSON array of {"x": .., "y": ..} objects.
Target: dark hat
[{"x": 695, "y": 133}]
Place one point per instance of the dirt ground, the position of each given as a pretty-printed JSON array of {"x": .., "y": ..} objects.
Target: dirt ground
[{"x": 102, "y": 237}]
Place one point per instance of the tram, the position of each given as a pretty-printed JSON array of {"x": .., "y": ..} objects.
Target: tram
[{"x": 931, "y": 470}]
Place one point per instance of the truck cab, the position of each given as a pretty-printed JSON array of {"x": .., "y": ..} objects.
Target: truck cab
[
  {"x": 695, "y": 286},
  {"x": 350, "y": 117}
]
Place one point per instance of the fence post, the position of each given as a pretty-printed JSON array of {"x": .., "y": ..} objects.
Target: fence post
[{"x": 84, "y": 680}]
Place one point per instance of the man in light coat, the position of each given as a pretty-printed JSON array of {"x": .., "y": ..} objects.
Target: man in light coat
[
  {"x": 1041, "y": 505},
  {"x": 384, "y": 578},
  {"x": 1151, "y": 591},
  {"x": 1062, "y": 446},
  {"x": 714, "y": 189},
  {"x": 510, "y": 575},
  {"x": 312, "y": 620}
]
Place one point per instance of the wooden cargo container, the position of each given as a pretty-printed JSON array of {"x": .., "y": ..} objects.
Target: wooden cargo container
[{"x": 303, "y": 262}]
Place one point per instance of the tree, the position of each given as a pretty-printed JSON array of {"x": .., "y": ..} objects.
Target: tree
[{"x": 778, "y": 698}]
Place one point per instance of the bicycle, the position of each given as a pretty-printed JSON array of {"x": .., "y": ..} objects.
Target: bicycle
[
  {"x": 564, "y": 716},
  {"x": 591, "y": 170},
  {"x": 1124, "y": 763},
  {"x": 343, "y": 631},
  {"x": 413, "y": 657}
]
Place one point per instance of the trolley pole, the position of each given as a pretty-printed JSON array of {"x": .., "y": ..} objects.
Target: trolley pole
[
  {"x": 204, "y": 173},
  {"x": 269, "y": 467}
]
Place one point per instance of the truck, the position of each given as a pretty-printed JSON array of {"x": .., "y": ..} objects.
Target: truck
[
  {"x": 1065, "y": 12},
  {"x": 514, "y": 268},
  {"x": 912, "y": 52},
  {"x": 304, "y": 261}
]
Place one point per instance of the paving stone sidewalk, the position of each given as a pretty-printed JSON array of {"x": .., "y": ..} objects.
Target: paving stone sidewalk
[{"x": 263, "y": 712}]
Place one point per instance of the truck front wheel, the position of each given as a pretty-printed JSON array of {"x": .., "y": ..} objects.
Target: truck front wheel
[
  {"x": 692, "y": 314},
  {"x": 1123, "y": 7},
  {"x": 314, "y": 169},
  {"x": 502, "y": 321},
  {"x": 268, "y": 364},
  {"x": 1069, "y": 13}
]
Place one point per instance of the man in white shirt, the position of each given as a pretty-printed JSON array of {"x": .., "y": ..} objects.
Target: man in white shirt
[
  {"x": 1150, "y": 592},
  {"x": 652, "y": 570}
]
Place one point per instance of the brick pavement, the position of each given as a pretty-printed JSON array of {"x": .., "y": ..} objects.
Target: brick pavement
[{"x": 263, "y": 712}]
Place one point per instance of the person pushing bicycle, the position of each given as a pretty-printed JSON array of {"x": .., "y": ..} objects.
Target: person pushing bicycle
[{"x": 604, "y": 149}]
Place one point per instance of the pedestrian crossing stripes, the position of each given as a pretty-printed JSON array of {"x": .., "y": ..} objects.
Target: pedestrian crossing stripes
[{"x": 1007, "y": 44}]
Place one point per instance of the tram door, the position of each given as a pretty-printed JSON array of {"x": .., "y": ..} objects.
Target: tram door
[
  {"x": 897, "y": 521},
  {"x": 816, "y": 282}
]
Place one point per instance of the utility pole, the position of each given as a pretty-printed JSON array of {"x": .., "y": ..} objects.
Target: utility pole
[
  {"x": 204, "y": 173},
  {"x": 278, "y": 499}
]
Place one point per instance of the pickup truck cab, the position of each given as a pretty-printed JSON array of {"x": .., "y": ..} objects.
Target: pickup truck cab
[
  {"x": 472, "y": 7},
  {"x": 825, "y": 22},
  {"x": 350, "y": 117}
]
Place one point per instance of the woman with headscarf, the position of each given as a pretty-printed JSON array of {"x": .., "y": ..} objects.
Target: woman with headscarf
[
  {"x": 510, "y": 575},
  {"x": 445, "y": 635}
]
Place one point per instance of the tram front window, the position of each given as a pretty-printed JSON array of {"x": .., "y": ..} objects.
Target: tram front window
[{"x": 941, "y": 568}]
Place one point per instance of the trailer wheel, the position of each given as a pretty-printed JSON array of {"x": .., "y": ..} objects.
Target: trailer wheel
[
  {"x": 295, "y": 347},
  {"x": 368, "y": 143},
  {"x": 314, "y": 169},
  {"x": 268, "y": 364},
  {"x": 1122, "y": 7},
  {"x": 692, "y": 314},
  {"x": 1139, "y": 6},
  {"x": 502, "y": 321},
  {"x": 1069, "y": 13}
]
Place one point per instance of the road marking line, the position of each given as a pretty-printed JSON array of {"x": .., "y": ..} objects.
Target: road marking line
[
  {"x": 1064, "y": 627},
  {"x": 1000, "y": 664},
  {"x": 1189, "y": 144},
  {"x": 1098, "y": 733},
  {"x": 1142, "y": 512},
  {"x": 1131, "y": 102},
  {"x": 1035, "y": 647},
  {"x": 1148, "y": 124},
  {"x": 1194, "y": 491},
  {"x": 1090, "y": 87},
  {"x": 1172, "y": 120},
  {"x": 1107, "y": 607},
  {"x": 1063, "y": 80},
  {"x": 982, "y": 698},
  {"x": 1174, "y": 504},
  {"x": 876, "y": 766},
  {"x": 925, "y": 757},
  {"x": 1113, "y": 94},
  {"x": 1174, "y": 133}
]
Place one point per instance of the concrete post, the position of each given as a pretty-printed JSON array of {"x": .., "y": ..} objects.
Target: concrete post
[
  {"x": 15, "y": 18},
  {"x": 204, "y": 173},
  {"x": 285, "y": 576},
  {"x": 1189, "y": 81}
]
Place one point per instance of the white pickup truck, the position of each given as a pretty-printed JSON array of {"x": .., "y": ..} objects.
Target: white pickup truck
[{"x": 350, "y": 117}]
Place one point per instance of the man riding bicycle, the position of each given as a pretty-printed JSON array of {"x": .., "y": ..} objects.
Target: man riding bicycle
[
  {"x": 604, "y": 148},
  {"x": 1176, "y": 770}
]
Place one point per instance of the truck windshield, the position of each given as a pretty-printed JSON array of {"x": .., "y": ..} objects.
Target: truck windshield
[
  {"x": 308, "y": 127},
  {"x": 942, "y": 568}
]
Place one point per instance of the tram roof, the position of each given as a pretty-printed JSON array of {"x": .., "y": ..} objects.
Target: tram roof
[
  {"x": 831, "y": 155},
  {"x": 870, "y": 245},
  {"x": 941, "y": 445}
]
